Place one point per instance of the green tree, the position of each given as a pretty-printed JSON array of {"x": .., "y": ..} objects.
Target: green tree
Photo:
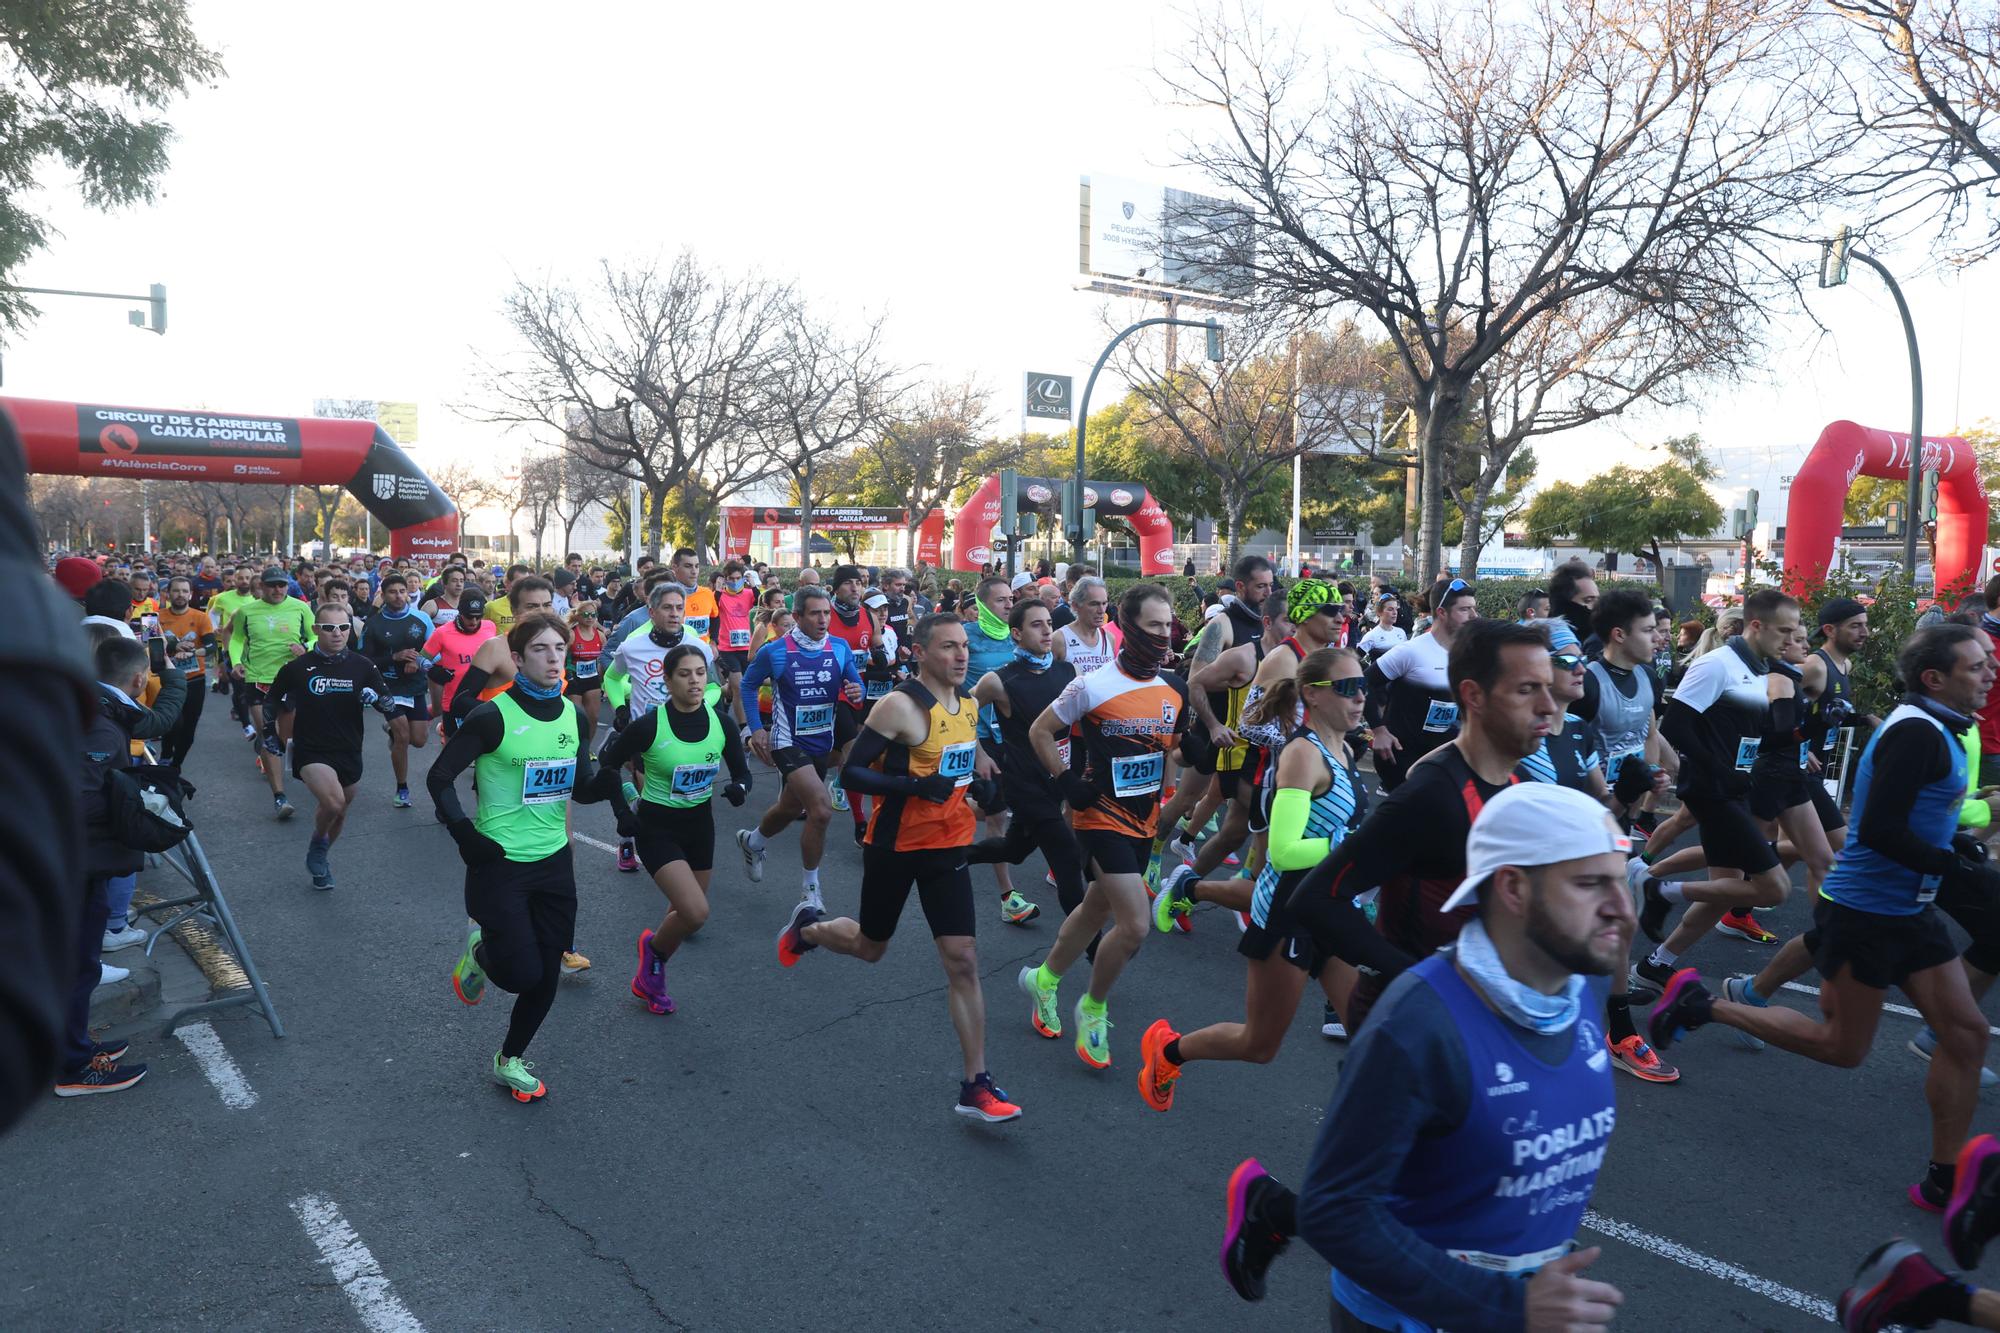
[
  {"x": 1632, "y": 509},
  {"x": 82, "y": 83}
]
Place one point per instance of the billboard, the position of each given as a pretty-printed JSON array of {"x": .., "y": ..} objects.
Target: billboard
[
  {"x": 1142, "y": 232},
  {"x": 399, "y": 419},
  {"x": 1045, "y": 396}
]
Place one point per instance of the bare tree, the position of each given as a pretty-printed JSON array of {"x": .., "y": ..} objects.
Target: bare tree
[
  {"x": 651, "y": 374},
  {"x": 925, "y": 451},
  {"x": 466, "y": 484},
  {"x": 826, "y": 390},
  {"x": 583, "y": 488},
  {"x": 538, "y": 490},
  {"x": 1489, "y": 168}
]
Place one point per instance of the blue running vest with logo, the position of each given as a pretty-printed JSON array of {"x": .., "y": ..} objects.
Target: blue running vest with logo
[
  {"x": 1868, "y": 881},
  {"x": 806, "y": 685}
]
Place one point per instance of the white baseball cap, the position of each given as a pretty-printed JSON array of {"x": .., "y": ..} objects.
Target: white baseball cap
[
  {"x": 1534, "y": 824},
  {"x": 1022, "y": 580}
]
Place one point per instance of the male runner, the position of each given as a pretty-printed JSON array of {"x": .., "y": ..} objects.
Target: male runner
[
  {"x": 319, "y": 698},
  {"x": 1715, "y": 721},
  {"x": 501, "y": 610},
  {"x": 262, "y": 639},
  {"x": 896, "y": 617},
  {"x": 1412, "y": 709},
  {"x": 394, "y": 639},
  {"x": 222, "y": 609},
  {"x": 1876, "y": 924},
  {"x": 734, "y": 608},
  {"x": 809, "y": 671},
  {"x": 1241, "y": 621},
  {"x": 700, "y": 611},
  {"x": 915, "y": 756},
  {"x": 452, "y": 645},
  {"x": 1128, "y": 713},
  {"x": 990, "y": 642},
  {"x": 194, "y": 634},
  {"x": 1471, "y": 1119},
  {"x": 1088, "y": 641}
]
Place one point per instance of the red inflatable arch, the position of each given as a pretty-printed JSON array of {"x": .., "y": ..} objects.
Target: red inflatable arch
[
  {"x": 972, "y": 528},
  {"x": 1845, "y": 451},
  {"x": 91, "y": 439}
]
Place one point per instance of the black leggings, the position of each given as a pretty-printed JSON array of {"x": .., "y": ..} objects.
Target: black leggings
[
  {"x": 1028, "y": 831},
  {"x": 526, "y": 912},
  {"x": 176, "y": 745}
]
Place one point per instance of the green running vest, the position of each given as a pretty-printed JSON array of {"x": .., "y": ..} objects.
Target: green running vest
[
  {"x": 681, "y": 773},
  {"x": 524, "y": 784}
]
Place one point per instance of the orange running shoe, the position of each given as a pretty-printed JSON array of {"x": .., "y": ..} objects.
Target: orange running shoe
[
  {"x": 1157, "y": 1074},
  {"x": 1639, "y": 1060},
  {"x": 1745, "y": 927}
]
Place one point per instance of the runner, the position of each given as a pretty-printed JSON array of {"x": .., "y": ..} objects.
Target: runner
[
  {"x": 915, "y": 755},
  {"x": 1719, "y": 712},
  {"x": 1385, "y": 633},
  {"x": 1316, "y": 802},
  {"x": 1465, "y": 1136},
  {"x": 681, "y": 744},
  {"x": 701, "y": 610},
  {"x": 1241, "y": 621},
  {"x": 1225, "y": 684},
  {"x": 502, "y": 610},
  {"x": 1088, "y": 641},
  {"x": 1411, "y": 705},
  {"x": 733, "y": 608},
  {"x": 586, "y": 661},
  {"x": 808, "y": 670},
  {"x": 452, "y": 645},
  {"x": 222, "y": 609},
  {"x": 1018, "y": 693},
  {"x": 1128, "y": 714},
  {"x": 194, "y": 635},
  {"x": 529, "y": 761},
  {"x": 990, "y": 642},
  {"x": 262, "y": 639},
  {"x": 394, "y": 640},
  {"x": 1876, "y": 924},
  {"x": 634, "y": 682},
  {"x": 442, "y": 604},
  {"x": 319, "y": 698}
]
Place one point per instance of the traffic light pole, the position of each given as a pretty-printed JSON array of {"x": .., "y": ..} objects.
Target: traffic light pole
[
  {"x": 1075, "y": 521},
  {"x": 1912, "y": 506},
  {"x": 156, "y": 299}
]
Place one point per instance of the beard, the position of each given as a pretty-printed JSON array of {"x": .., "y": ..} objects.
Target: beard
[{"x": 1576, "y": 954}]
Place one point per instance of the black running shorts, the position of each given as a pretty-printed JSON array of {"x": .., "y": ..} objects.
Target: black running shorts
[
  {"x": 1114, "y": 853},
  {"x": 939, "y": 875},
  {"x": 1280, "y": 932},
  {"x": 791, "y": 759},
  {"x": 669, "y": 833},
  {"x": 1828, "y": 809},
  {"x": 732, "y": 661},
  {"x": 1730, "y": 838},
  {"x": 346, "y": 764},
  {"x": 1879, "y": 951},
  {"x": 1770, "y": 798}
]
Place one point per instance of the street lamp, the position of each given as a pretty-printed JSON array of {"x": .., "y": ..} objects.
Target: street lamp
[{"x": 1833, "y": 257}]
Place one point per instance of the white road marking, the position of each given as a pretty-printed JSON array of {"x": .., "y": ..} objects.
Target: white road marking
[
  {"x": 218, "y": 1065},
  {"x": 354, "y": 1267},
  {"x": 589, "y": 841},
  {"x": 1902, "y": 1009},
  {"x": 1702, "y": 1263}
]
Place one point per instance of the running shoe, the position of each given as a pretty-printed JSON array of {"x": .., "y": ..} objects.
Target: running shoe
[
  {"x": 281, "y": 807},
  {"x": 1639, "y": 1060},
  {"x": 249, "y": 732},
  {"x": 317, "y": 865},
  {"x": 573, "y": 963},
  {"x": 1896, "y": 1284},
  {"x": 1635, "y": 876},
  {"x": 517, "y": 1076},
  {"x": 109, "y": 1050},
  {"x": 791, "y": 946},
  {"x": 812, "y": 895},
  {"x": 1972, "y": 1215},
  {"x": 1181, "y": 845},
  {"x": 1243, "y": 922},
  {"x": 1736, "y": 990},
  {"x": 1745, "y": 927},
  {"x": 107, "y": 975},
  {"x": 1093, "y": 1036},
  {"x": 836, "y": 793},
  {"x": 1157, "y": 1074},
  {"x": 628, "y": 861},
  {"x": 467, "y": 977},
  {"x": 1922, "y": 1046},
  {"x": 649, "y": 982},
  {"x": 1249, "y": 1243},
  {"x": 1648, "y": 979},
  {"x": 99, "y": 1074},
  {"x": 980, "y": 1100},
  {"x": 402, "y": 801},
  {"x": 1046, "y": 1016},
  {"x": 1018, "y": 911},
  {"x": 1683, "y": 1007},
  {"x": 1173, "y": 900},
  {"x": 753, "y": 861},
  {"x": 1330, "y": 1025},
  {"x": 1653, "y": 909}
]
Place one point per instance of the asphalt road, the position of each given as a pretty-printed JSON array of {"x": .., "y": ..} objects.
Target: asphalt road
[{"x": 782, "y": 1151}]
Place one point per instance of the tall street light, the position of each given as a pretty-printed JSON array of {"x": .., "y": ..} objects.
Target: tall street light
[{"x": 1834, "y": 255}]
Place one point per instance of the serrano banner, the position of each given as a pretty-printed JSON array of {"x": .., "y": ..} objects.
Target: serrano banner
[
  {"x": 972, "y": 528},
  {"x": 91, "y": 439}
]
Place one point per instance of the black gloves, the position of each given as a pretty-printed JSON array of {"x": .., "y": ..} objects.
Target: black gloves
[
  {"x": 621, "y": 718},
  {"x": 1633, "y": 780},
  {"x": 628, "y": 823},
  {"x": 1077, "y": 790},
  {"x": 440, "y": 673},
  {"x": 474, "y": 847},
  {"x": 735, "y": 792},
  {"x": 937, "y": 787},
  {"x": 985, "y": 793}
]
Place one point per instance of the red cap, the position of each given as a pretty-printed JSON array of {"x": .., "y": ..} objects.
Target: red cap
[{"x": 77, "y": 576}]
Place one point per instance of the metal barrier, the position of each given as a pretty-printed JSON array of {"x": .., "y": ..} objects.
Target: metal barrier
[{"x": 206, "y": 904}]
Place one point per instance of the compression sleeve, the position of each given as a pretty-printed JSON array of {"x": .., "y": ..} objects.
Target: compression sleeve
[
  {"x": 1909, "y": 756},
  {"x": 470, "y": 684},
  {"x": 479, "y": 734},
  {"x": 858, "y": 776},
  {"x": 755, "y": 676},
  {"x": 732, "y": 747},
  {"x": 1290, "y": 849},
  {"x": 1972, "y": 812},
  {"x": 617, "y": 686},
  {"x": 629, "y": 744}
]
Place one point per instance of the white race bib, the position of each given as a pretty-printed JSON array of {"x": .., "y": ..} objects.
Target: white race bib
[
  {"x": 1746, "y": 752},
  {"x": 878, "y": 689},
  {"x": 546, "y": 780},
  {"x": 694, "y": 779},
  {"x": 739, "y": 638},
  {"x": 1062, "y": 751},
  {"x": 813, "y": 719},
  {"x": 586, "y": 667},
  {"x": 1440, "y": 716},
  {"x": 1137, "y": 775},
  {"x": 955, "y": 762}
]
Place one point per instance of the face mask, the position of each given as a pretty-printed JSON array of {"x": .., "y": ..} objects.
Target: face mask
[
  {"x": 734, "y": 585},
  {"x": 1142, "y": 653}
]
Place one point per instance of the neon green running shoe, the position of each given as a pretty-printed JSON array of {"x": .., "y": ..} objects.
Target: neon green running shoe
[
  {"x": 466, "y": 977},
  {"x": 1047, "y": 1019},
  {"x": 517, "y": 1076},
  {"x": 1093, "y": 1036},
  {"x": 1173, "y": 899}
]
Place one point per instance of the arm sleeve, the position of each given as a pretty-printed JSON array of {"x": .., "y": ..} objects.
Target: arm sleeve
[
  {"x": 466, "y": 698},
  {"x": 1405, "y": 1080},
  {"x": 239, "y": 639},
  {"x": 629, "y": 744},
  {"x": 856, "y": 775},
  {"x": 1290, "y": 849},
  {"x": 733, "y": 757},
  {"x": 1908, "y": 757},
  {"x": 479, "y": 735},
  {"x": 586, "y": 769},
  {"x": 754, "y": 677},
  {"x": 1972, "y": 812}
]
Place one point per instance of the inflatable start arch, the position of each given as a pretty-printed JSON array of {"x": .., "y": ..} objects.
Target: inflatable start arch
[
  {"x": 1845, "y": 451},
  {"x": 89, "y": 439},
  {"x": 972, "y": 527}
]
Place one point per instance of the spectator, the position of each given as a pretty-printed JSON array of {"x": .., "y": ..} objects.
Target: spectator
[
  {"x": 1534, "y": 605},
  {"x": 1187, "y": 570}
]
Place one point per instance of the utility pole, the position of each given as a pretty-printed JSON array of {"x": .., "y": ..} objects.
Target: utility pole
[{"x": 1834, "y": 255}]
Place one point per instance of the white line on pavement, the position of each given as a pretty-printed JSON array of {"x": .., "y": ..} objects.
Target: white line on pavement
[
  {"x": 1702, "y": 1263},
  {"x": 1902, "y": 1009},
  {"x": 589, "y": 841},
  {"x": 354, "y": 1267},
  {"x": 217, "y": 1064}
]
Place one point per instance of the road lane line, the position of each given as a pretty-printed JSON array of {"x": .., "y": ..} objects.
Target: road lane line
[
  {"x": 218, "y": 1065},
  {"x": 1702, "y": 1263},
  {"x": 1903, "y": 1009},
  {"x": 354, "y": 1267},
  {"x": 589, "y": 841}
]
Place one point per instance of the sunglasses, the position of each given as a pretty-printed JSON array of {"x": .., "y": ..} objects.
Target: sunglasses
[
  {"x": 1353, "y": 687},
  {"x": 1456, "y": 585},
  {"x": 335, "y": 629},
  {"x": 1567, "y": 661}
]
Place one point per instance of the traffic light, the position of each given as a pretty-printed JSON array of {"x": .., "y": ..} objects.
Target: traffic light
[
  {"x": 1214, "y": 331},
  {"x": 159, "y": 304},
  {"x": 1833, "y": 260},
  {"x": 1930, "y": 496}
]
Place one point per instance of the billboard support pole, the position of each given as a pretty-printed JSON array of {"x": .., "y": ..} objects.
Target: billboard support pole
[
  {"x": 1083, "y": 412},
  {"x": 633, "y": 501}
]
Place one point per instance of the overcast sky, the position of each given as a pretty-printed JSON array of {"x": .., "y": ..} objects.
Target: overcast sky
[{"x": 346, "y": 209}]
